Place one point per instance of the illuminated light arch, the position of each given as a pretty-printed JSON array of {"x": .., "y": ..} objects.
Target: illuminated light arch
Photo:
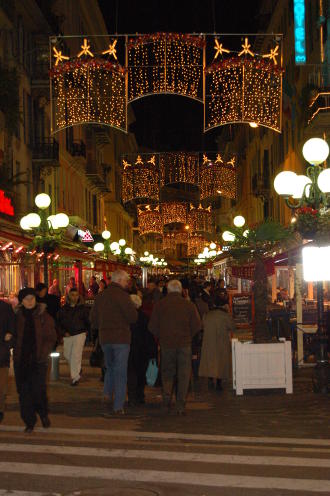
[
  {"x": 140, "y": 178},
  {"x": 196, "y": 244},
  {"x": 179, "y": 167},
  {"x": 200, "y": 219},
  {"x": 88, "y": 91},
  {"x": 165, "y": 63},
  {"x": 149, "y": 220},
  {"x": 242, "y": 90},
  {"x": 174, "y": 213},
  {"x": 218, "y": 178},
  {"x": 174, "y": 238}
]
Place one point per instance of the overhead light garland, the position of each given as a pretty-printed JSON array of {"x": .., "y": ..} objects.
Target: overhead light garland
[
  {"x": 140, "y": 178},
  {"x": 174, "y": 238},
  {"x": 218, "y": 178},
  {"x": 200, "y": 219},
  {"x": 179, "y": 167},
  {"x": 149, "y": 220},
  {"x": 174, "y": 213},
  {"x": 196, "y": 244}
]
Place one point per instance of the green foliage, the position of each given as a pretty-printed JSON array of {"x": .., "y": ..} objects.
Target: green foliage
[{"x": 9, "y": 97}]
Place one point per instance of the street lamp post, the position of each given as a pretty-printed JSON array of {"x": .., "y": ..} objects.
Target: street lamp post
[
  {"x": 46, "y": 229},
  {"x": 311, "y": 190}
]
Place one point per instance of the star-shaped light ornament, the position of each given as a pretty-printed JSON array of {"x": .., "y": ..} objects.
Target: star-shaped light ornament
[
  {"x": 139, "y": 160},
  {"x": 232, "y": 161},
  {"x": 85, "y": 49},
  {"x": 112, "y": 50},
  {"x": 219, "y": 159},
  {"x": 59, "y": 57},
  {"x": 126, "y": 164},
  {"x": 219, "y": 50},
  {"x": 152, "y": 161},
  {"x": 273, "y": 54},
  {"x": 246, "y": 48},
  {"x": 205, "y": 159}
]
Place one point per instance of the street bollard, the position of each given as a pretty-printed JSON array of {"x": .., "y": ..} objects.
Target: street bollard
[{"x": 55, "y": 366}]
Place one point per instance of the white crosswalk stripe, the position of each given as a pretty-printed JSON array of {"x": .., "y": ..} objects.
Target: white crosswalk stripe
[{"x": 220, "y": 465}]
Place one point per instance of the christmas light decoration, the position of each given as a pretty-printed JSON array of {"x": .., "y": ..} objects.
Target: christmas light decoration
[
  {"x": 149, "y": 220},
  {"x": 196, "y": 244},
  {"x": 246, "y": 48},
  {"x": 174, "y": 238},
  {"x": 88, "y": 91},
  {"x": 111, "y": 50},
  {"x": 58, "y": 56},
  {"x": 218, "y": 178},
  {"x": 174, "y": 213},
  {"x": 165, "y": 63},
  {"x": 219, "y": 49},
  {"x": 272, "y": 55},
  {"x": 140, "y": 181},
  {"x": 243, "y": 90},
  {"x": 179, "y": 167},
  {"x": 85, "y": 49},
  {"x": 200, "y": 219}
]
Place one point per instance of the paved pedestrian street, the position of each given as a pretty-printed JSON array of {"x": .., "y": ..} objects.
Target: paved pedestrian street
[{"x": 82, "y": 462}]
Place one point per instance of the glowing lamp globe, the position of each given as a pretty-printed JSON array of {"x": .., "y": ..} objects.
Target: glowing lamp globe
[
  {"x": 323, "y": 181},
  {"x": 285, "y": 183},
  {"x": 212, "y": 253},
  {"x": 52, "y": 221},
  {"x": 228, "y": 236},
  {"x": 25, "y": 224},
  {"x": 33, "y": 220},
  {"x": 106, "y": 234},
  {"x": 239, "y": 221},
  {"x": 114, "y": 246},
  {"x": 122, "y": 242},
  {"x": 246, "y": 233},
  {"x": 253, "y": 124},
  {"x": 42, "y": 201},
  {"x": 146, "y": 253},
  {"x": 213, "y": 246},
  {"x": 128, "y": 251},
  {"x": 61, "y": 220},
  {"x": 301, "y": 182},
  {"x": 99, "y": 247},
  {"x": 200, "y": 255},
  {"x": 315, "y": 151}
]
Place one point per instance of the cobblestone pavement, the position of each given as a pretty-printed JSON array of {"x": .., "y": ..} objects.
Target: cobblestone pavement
[{"x": 262, "y": 413}]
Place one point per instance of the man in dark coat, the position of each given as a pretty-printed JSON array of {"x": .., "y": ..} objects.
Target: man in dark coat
[
  {"x": 52, "y": 302},
  {"x": 175, "y": 321},
  {"x": 112, "y": 314},
  {"x": 7, "y": 327}
]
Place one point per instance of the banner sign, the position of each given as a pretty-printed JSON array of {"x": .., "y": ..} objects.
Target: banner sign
[
  {"x": 6, "y": 206},
  {"x": 299, "y": 31}
]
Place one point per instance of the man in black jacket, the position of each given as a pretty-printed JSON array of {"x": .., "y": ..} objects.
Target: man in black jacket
[
  {"x": 73, "y": 321},
  {"x": 7, "y": 324}
]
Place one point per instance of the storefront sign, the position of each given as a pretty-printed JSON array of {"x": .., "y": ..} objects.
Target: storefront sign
[
  {"x": 247, "y": 271},
  {"x": 86, "y": 236},
  {"x": 6, "y": 206},
  {"x": 299, "y": 31}
]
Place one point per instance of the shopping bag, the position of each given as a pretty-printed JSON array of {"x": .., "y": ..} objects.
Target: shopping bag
[{"x": 152, "y": 372}]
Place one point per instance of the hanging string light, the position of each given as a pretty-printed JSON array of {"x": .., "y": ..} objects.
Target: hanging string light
[
  {"x": 140, "y": 178},
  {"x": 174, "y": 213},
  {"x": 174, "y": 238},
  {"x": 196, "y": 244},
  {"x": 218, "y": 177},
  {"x": 149, "y": 220},
  {"x": 179, "y": 167},
  {"x": 200, "y": 219}
]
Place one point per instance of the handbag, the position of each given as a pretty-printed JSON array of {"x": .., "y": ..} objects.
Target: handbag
[
  {"x": 152, "y": 372},
  {"x": 96, "y": 356}
]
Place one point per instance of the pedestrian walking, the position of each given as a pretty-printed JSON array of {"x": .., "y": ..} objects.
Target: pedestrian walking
[
  {"x": 34, "y": 340},
  {"x": 7, "y": 328},
  {"x": 215, "y": 356},
  {"x": 175, "y": 320},
  {"x": 54, "y": 289},
  {"x": 112, "y": 314},
  {"x": 52, "y": 302},
  {"x": 73, "y": 322}
]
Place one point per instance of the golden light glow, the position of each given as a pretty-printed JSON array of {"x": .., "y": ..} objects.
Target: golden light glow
[
  {"x": 174, "y": 213},
  {"x": 59, "y": 57},
  {"x": 219, "y": 48},
  {"x": 200, "y": 219},
  {"x": 273, "y": 54},
  {"x": 141, "y": 180},
  {"x": 218, "y": 178},
  {"x": 196, "y": 244},
  {"x": 246, "y": 48},
  {"x": 165, "y": 63},
  {"x": 111, "y": 50},
  {"x": 174, "y": 238},
  {"x": 85, "y": 49},
  {"x": 149, "y": 221},
  {"x": 179, "y": 167}
]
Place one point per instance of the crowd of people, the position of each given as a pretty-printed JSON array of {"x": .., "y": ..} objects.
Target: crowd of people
[{"x": 183, "y": 326}]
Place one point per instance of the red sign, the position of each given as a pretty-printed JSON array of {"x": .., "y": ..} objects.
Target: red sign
[
  {"x": 247, "y": 271},
  {"x": 6, "y": 206},
  {"x": 87, "y": 238}
]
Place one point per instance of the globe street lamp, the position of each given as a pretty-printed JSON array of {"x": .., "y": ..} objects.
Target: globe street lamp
[
  {"x": 311, "y": 190},
  {"x": 47, "y": 230}
]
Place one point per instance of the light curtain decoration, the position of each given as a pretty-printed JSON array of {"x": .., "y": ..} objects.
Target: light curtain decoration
[
  {"x": 174, "y": 238},
  {"x": 218, "y": 178},
  {"x": 165, "y": 63},
  {"x": 174, "y": 213},
  {"x": 200, "y": 219},
  {"x": 179, "y": 167},
  {"x": 149, "y": 220},
  {"x": 140, "y": 178},
  {"x": 196, "y": 244}
]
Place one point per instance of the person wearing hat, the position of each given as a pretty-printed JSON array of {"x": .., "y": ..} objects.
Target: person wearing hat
[
  {"x": 34, "y": 340},
  {"x": 7, "y": 328}
]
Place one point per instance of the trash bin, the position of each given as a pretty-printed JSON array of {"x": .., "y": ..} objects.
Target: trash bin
[{"x": 55, "y": 366}]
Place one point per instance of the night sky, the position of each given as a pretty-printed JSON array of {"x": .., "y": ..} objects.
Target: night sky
[{"x": 173, "y": 122}]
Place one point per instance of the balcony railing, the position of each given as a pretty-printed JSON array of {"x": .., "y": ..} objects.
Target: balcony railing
[
  {"x": 319, "y": 76},
  {"x": 96, "y": 173},
  {"x": 320, "y": 108},
  {"x": 77, "y": 148},
  {"x": 46, "y": 150}
]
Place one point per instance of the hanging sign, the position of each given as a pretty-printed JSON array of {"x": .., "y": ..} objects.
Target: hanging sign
[
  {"x": 299, "y": 31},
  {"x": 6, "y": 206},
  {"x": 87, "y": 237}
]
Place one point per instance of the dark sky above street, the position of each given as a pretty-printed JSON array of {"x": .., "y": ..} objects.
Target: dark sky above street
[{"x": 173, "y": 122}]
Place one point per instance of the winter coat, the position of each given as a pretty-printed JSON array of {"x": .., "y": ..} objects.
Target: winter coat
[
  {"x": 45, "y": 333},
  {"x": 215, "y": 356},
  {"x": 175, "y": 320},
  {"x": 7, "y": 325},
  {"x": 112, "y": 314},
  {"x": 52, "y": 302},
  {"x": 73, "y": 320}
]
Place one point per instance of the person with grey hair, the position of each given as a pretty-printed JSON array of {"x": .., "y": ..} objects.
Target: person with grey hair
[
  {"x": 112, "y": 314},
  {"x": 175, "y": 321}
]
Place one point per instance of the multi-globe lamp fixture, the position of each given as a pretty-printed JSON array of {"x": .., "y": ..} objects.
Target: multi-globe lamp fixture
[
  {"x": 117, "y": 248},
  {"x": 209, "y": 252}
]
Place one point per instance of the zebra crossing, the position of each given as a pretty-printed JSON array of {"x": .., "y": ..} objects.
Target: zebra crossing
[{"x": 72, "y": 459}]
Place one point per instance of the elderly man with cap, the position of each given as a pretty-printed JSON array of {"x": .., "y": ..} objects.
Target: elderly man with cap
[
  {"x": 34, "y": 340},
  {"x": 174, "y": 321}
]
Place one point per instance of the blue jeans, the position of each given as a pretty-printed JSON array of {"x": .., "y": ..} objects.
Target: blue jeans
[{"x": 115, "y": 379}]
